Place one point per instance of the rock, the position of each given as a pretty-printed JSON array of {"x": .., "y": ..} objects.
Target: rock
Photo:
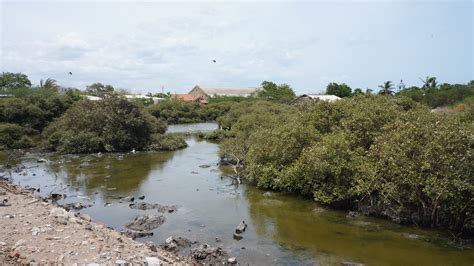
[
  {"x": 120, "y": 261},
  {"x": 35, "y": 231},
  {"x": 19, "y": 243},
  {"x": 56, "y": 196},
  {"x": 268, "y": 194},
  {"x": 148, "y": 206},
  {"x": 177, "y": 244},
  {"x": 41, "y": 160},
  {"x": 232, "y": 260},
  {"x": 137, "y": 234},
  {"x": 237, "y": 236},
  {"x": 210, "y": 255},
  {"x": 146, "y": 222},
  {"x": 152, "y": 261},
  {"x": 58, "y": 212},
  {"x": 75, "y": 206},
  {"x": 241, "y": 227},
  {"x": 86, "y": 217},
  {"x": 151, "y": 246},
  {"x": 204, "y": 166},
  {"x": 3, "y": 244}
]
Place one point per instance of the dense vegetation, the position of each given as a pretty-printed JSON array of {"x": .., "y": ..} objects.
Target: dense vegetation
[
  {"x": 174, "y": 111},
  {"x": 68, "y": 123},
  {"x": 431, "y": 93},
  {"x": 112, "y": 124},
  {"x": 385, "y": 156}
]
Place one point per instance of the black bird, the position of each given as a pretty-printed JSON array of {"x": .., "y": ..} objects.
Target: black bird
[
  {"x": 70, "y": 73},
  {"x": 132, "y": 199},
  {"x": 214, "y": 61},
  {"x": 141, "y": 197}
]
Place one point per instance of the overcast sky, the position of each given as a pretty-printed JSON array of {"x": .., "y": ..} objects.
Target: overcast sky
[{"x": 143, "y": 46}]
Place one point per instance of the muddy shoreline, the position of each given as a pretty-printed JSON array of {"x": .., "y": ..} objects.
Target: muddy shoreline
[{"x": 36, "y": 231}]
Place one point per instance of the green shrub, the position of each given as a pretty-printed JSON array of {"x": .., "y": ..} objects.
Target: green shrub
[
  {"x": 167, "y": 142},
  {"x": 424, "y": 165},
  {"x": 385, "y": 156},
  {"x": 13, "y": 136},
  {"x": 215, "y": 135},
  {"x": 112, "y": 124}
]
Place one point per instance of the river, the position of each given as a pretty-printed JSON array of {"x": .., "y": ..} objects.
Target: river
[{"x": 282, "y": 229}]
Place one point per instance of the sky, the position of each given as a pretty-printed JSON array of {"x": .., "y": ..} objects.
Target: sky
[{"x": 144, "y": 46}]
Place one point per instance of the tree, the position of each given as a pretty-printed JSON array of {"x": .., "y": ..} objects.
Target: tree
[
  {"x": 387, "y": 88},
  {"x": 357, "y": 91},
  {"x": 10, "y": 81},
  {"x": 49, "y": 84},
  {"x": 99, "y": 89},
  {"x": 277, "y": 93},
  {"x": 341, "y": 90},
  {"x": 112, "y": 124},
  {"x": 429, "y": 83}
]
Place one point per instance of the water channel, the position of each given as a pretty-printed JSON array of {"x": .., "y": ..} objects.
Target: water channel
[{"x": 283, "y": 229}]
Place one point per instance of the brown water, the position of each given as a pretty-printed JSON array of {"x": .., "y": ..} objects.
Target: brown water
[{"x": 283, "y": 229}]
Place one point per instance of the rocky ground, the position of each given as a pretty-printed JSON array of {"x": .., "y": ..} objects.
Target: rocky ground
[{"x": 34, "y": 231}]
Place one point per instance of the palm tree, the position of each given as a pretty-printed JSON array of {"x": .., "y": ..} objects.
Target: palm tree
[
  {"x": 386, "y": 87},
  {"x": 429, "y": 83},
  {"x": 49, "y": 84}
]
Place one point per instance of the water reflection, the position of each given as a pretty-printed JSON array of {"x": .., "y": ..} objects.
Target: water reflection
[
  {"x": 111, "y": 174},
  {"x": 282, "y": 229},
  {"x": 301, "y": 226}
]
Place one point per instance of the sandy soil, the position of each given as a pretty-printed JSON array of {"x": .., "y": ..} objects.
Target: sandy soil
[{"x": 34, "y": 231}]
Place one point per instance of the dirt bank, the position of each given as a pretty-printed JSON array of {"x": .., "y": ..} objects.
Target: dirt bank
[{"x": 36, "y": 231}]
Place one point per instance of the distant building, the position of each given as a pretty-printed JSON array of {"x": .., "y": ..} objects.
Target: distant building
[
  {"x": 190, "y": 98},
  {"x": 207, "y": 92},
  {"x": 309, "y": 98},
  {"x": 156, "y": 100},
  {"x": 92, "y": 98}
]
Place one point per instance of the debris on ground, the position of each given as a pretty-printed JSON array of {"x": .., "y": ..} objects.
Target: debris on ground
[
  {"x": 36, "y": 232},
  {"x": 146, "y": 222}
]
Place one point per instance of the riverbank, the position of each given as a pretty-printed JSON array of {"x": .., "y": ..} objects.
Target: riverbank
[{"x": 35, "y": 231}]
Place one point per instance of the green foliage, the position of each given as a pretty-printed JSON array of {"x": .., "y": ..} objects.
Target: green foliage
[
  {"x": 49, "y": 84},
  {"x": 282, "y": 93},
  {"x": 434, "y": 95},
  {"x": 13, "y": 136},
  {"x": 174, "y": 111},
  {"x": 386, "y": 88},
  {"x": 167, "y": 142},
  {"x": 215, "y": 135},
  {"x": 423, "y": 164},
  {"x": 9, "y": 82},
  {"x": 386, "y": 156},
  {"x": 99, "y": 89},
  {"x": 34, "y": 111},
  {"x": 113, "y": 124},
  {"x": 341, "y": 90}
]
